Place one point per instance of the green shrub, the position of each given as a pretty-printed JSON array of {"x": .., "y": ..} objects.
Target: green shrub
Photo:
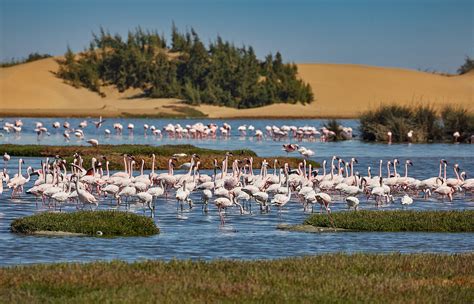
[
  {"x": 457, "y": 119},
  {"x": 467, "y": 66},
  {"x": 425, "y": 122},
  {"x": 335, "y": 126}
]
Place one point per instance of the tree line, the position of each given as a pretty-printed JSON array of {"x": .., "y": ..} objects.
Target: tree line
[
  {"x": 218, "y": 73},
  {"x": 31, "y": 57}
]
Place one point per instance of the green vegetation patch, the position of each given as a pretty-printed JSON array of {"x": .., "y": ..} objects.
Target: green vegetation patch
[
  {"x": 218, "y": 74},
  {"x": 92, "y": 223},
  {"x": 401, "y": 220},
  {"x": 31, "y": 57},
  {"x": 114, "y": 154},
  {"x": 330, "y": 278},
  {"x": 467, "y": 66},
  {"x": 426, "y": 123}
]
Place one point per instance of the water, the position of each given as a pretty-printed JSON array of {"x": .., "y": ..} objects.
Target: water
[{"x": 194, "y": 235}]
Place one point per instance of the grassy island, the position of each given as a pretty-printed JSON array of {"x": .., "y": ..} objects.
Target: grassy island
[
  {"x": 91, "y": 223},
  {"x": 330, "y": 278},
  {"x": 114, "y": 154},
  {"x": 401, "y": 220}
]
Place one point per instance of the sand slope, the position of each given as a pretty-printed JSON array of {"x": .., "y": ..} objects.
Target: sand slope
[
  {"x": 341, "y": 90},
  {"x": 33, "y": 89}
]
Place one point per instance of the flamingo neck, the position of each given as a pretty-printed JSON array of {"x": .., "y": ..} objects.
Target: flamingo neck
[
  {"x": 45, "y": 174},
  {"x": 304, "y": 167},
  {"x": 19, "y": 167},
  {"x": 153, "y": 165},
  {"x": 28, "y": 174},
  {"x": 226, "y": 163}
]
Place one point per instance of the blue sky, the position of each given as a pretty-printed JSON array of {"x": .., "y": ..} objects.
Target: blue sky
[{"x": 416, "y": 34}]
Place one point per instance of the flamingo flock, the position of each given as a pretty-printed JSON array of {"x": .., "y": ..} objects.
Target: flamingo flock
[
  {"x": 198, "y": 130},
  {"x": 232, "y": 183}
]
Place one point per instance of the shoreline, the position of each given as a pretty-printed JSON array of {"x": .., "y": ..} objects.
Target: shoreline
[{"x": 75, "y": 114}]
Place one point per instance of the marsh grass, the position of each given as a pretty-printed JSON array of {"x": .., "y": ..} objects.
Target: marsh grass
[
  {"x": 427, "y": 124},
  {"x": 330, "y": 278},
  {"x": 114, "y": 154},
  {"x": 457, "y": 119},
  {"x": 334, "y": 126},
  {"x": 110, "y": 223},
  {"x": 400, "y": 220}
]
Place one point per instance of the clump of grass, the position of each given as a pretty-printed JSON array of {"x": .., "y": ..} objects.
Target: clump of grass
[
  {"x": 425, "y": 122},
  {"x": 114, "y": 154},
  {"x": 329, "y": 278},
  {"x": 110, "y": 223},
  {"x": 457, "y": 119},
  {"x": 401, "y": 220},
  {"x": 375, "y": 124},
  {"x": 335, "y": 126}
]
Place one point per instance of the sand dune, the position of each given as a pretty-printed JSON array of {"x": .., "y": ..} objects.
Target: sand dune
[{"x": 341, "y": 90}]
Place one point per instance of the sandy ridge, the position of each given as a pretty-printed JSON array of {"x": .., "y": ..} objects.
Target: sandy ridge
[{"x": 341, "y": 90}]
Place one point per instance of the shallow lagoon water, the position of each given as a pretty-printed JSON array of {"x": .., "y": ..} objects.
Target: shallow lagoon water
[{"x": 193, "y": 235}]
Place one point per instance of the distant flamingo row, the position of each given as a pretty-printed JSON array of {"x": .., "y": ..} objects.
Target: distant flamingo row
[
  {"x": 57, "y": 186},
  {"x": 197, "y": 130}
]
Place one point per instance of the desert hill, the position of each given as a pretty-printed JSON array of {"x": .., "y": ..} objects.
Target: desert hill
[{"x": 341, "y": 90}]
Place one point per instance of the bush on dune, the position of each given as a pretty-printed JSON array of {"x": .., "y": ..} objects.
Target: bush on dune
[{"x": 218, "y": 74}]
